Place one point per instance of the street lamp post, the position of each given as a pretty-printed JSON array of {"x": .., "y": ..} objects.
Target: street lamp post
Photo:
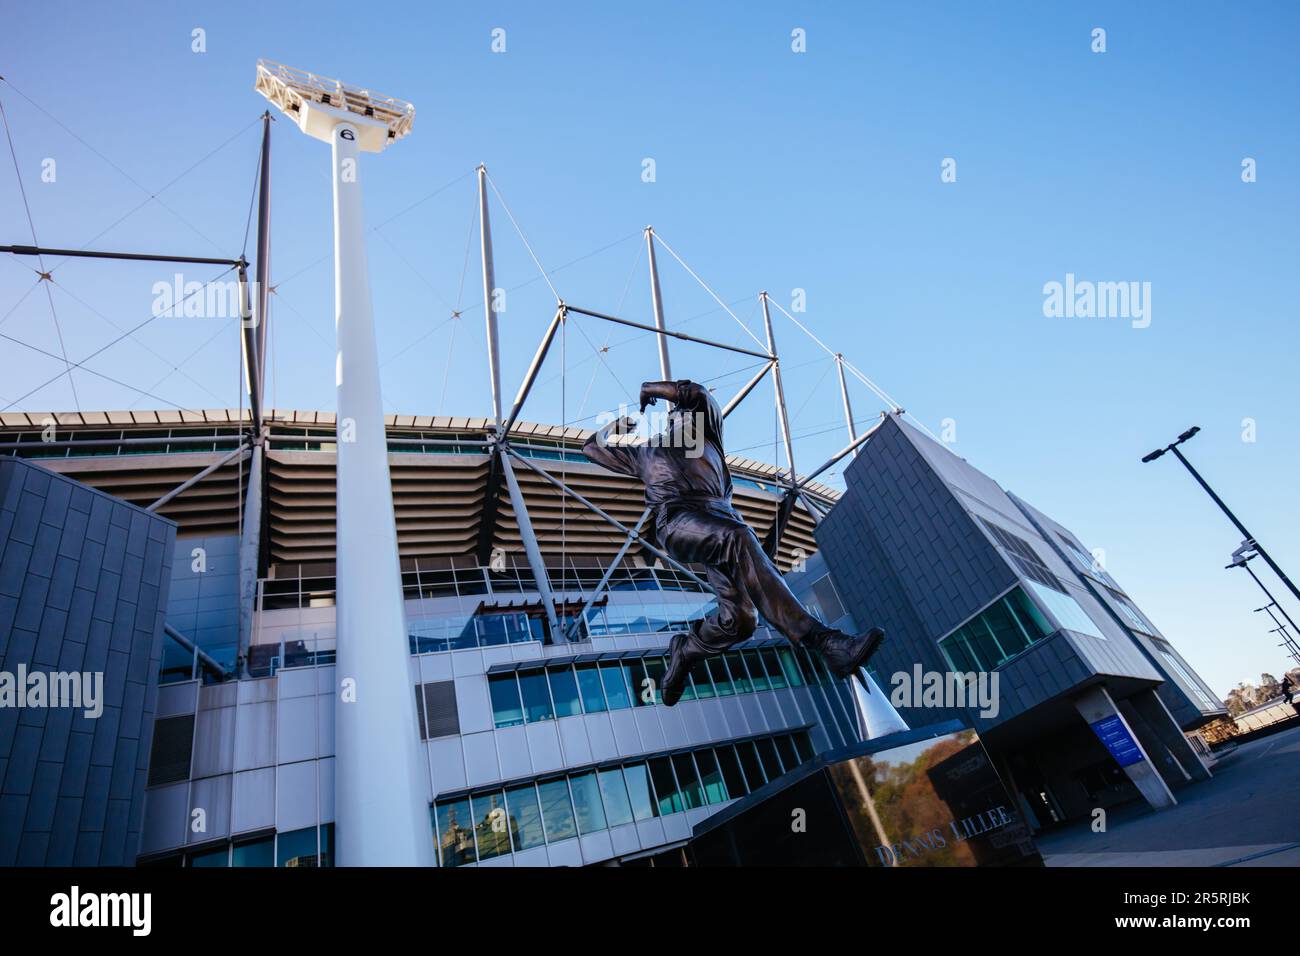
[{"x": 1255, "y": 545}]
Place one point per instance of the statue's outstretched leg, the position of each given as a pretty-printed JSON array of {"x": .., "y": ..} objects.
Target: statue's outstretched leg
[
  {"x": 733, "y": 621},
  {"x": 845, "y": 654}
]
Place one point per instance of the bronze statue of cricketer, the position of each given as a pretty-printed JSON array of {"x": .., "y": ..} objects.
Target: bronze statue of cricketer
[{"x": 688, "y": 488}]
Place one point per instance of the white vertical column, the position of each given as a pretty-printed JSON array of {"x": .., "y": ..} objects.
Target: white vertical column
[
  {"x": 489, "y": 288},
  {"x": 381, "y": 793},
  {"x": 657, "y": 301},
  {"x": 848, "y": 407}
]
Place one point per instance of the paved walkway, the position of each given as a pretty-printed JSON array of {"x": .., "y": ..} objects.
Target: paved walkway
[{"x": 1248, "y": 815}]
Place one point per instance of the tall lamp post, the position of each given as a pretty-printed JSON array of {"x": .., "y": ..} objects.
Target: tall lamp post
[
  {"x": 381, "y": 786},
  {"x": 1250, "y": 538},
  {"x": 1241, "y": 558}
]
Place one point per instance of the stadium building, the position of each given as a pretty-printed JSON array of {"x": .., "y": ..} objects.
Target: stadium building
[
  {"x": 413, "y": 640},
  {"x": 561, "y": 737}
]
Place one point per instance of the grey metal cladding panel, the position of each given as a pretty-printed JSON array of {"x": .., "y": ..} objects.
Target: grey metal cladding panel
[{"x": 936, "y": 564}]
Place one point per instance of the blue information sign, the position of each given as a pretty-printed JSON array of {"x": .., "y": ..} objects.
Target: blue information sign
[{"x": 1112, "y": 732}]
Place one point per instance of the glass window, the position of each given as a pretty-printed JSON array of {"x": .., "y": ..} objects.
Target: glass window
[
  {"x": 525, "y": 817},
  {"x": 757, "y": 672},
  {"x": 636, "y": 678},
  {"x": 739, "y": 675},
  {"x": 564, "y": 691},
  {"x": 207, "y": 858},
  {"x": 749, "y": 761},
  {"x": 731, "y": 774},
  {"x": 785, "y": 749},
  {"x": 1006, "y": 630},
  {"x": 771, "y": 762},
  {"x": 688, "y": 781},
  {"x": 702, "y": 680},
  {"x": 670, "y": 801},
  {"x": 613, "y": 792},
  {"x": 504, "y": 691},
  {"x": 655, "y": 668},
  {"x": 803, "y": 746},
  {"x": 639, "y": 792},
  {"x": 537, "y": 697},
  {"x": 296, "y": 848},
  {"x": 255, "y": 853},
  {"x": 557, "y": 811},
  {"x": 1036, "y": 625},
  {"x": 715, "y": 789},
  {"x": 615, "y": 683},
  {"x": 491, "y": 830},
  {"x": 327, "y": 845},
  {"x": 721, "y": 678},
  {"x": 775, "y": 676},
  {"x": 790, "y": 667},
  {"x": 1066, "y": 610},
  {"x": 455, "y": 839},
  {"x": 593, "y": 698},
  {"x": 587, "y": 802}
]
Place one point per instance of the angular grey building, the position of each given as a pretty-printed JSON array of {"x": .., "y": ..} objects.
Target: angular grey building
[
  {"x": 1094, "y": 701},
  {"x": 83, "y": 593}
]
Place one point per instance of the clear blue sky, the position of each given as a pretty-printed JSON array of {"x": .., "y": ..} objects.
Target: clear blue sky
[{"x": 775, "y": 171}]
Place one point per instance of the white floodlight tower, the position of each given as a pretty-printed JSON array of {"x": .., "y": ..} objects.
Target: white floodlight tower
[{"x": 381, "y": 792}]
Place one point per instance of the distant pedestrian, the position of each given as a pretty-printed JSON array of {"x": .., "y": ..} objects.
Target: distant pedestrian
[{"x": 1289, "y": 693}]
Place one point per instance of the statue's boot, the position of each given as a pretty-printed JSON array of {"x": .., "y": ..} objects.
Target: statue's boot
[
  {"x": 846, "y": 655},
  {"x": 680, "y": 662}
]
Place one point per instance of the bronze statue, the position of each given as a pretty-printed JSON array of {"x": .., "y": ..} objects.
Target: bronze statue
[{"x": 688, "y": 488}]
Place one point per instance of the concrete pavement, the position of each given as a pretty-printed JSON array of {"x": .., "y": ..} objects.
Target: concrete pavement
[{"x": 1247, "y": 815}]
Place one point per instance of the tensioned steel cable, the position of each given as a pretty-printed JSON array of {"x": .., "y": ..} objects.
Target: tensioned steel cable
[
  {"x": 40, "y": 260},
  {"x": 82, "y": 364}
]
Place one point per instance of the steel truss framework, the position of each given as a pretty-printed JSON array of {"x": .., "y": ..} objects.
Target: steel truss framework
[
  {"x": 502, "y": 457},
  {"x": 502, "y": 454}
]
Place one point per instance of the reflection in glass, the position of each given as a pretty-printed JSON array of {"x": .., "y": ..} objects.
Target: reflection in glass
[
  {"x": 296, "y": 848},
  {"x": 536, "y": 695},
  {"x": 775, "y": 676},
  {"x": 564, "y": 691},
  {"x": 455, "y": 840},
  {"x": 557, "y": 811},
  {"x": 639, "y": 792},
  {"x": 688, "y": 781},
  {"x": 717, "y": 668},
  {"x": 491, "y": 830},
  {"x": 670, "y": 801},
  {"x": 593, "y": 698},
  {"x": 525, "y": 817},
  {"x": 739, "y": 675},
  {"x": 613, "y": 791},
  {"x": 587, "y": 803},
  {"x": 504, "y": 691},
  {"x": 702, "y": 680},
  {"x": 611, "y": 675},
  {"x": 715, "y": 790},
  {"x": 757, "y": 673}
]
